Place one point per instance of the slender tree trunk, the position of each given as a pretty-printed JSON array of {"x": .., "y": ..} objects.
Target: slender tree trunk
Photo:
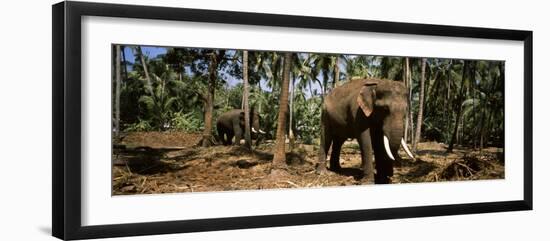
[
  {"x": 113, "y": 86},
  {"x": 242, "y": 98},
  {"x": 458, "y": 104},
  {"x": 259, "y": 94},
  {"x": 420, "y": 104},
  {"x": 411, "y": 121},
  {"x": 448, "y": 106},
  {"x": 279, "y": 158},
  {"x": 482, "y": 129},
  {"x": 247, "y": 139},
  {"x": 336, "y": 71},
  {"x": 291, "y": 115},
  {"x": 148, "y": 83},
  {"x": 117, "y": 91},
  {"x": 209, "y": 105},
  {"x": 406, "y": 70},
  {"x": 124, "y": 69}
]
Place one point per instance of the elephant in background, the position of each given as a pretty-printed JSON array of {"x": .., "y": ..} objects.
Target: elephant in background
[
  {"x": 231, "y": 124},
  {"x": 373, "y": 112}
]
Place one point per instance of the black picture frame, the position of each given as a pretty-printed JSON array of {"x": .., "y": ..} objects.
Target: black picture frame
[{"x": 66, "y": 127}]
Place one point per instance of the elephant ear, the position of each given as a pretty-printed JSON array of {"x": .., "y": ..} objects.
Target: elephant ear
[{"x": 366, "y": 98}]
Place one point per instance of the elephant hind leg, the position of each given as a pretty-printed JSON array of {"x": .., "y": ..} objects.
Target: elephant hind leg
[
  {"x": 335, "y": 154},
  {"x": 325, "y": 143}
]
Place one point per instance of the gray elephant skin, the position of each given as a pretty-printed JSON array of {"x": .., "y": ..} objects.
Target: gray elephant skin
[
  {"x": 373, "y": 112},
  {"x": 231, "y": 124}
]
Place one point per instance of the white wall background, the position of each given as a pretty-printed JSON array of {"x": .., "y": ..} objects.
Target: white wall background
[{"x": 25, "y": 119}]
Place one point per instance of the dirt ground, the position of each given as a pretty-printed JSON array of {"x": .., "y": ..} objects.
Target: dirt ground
[{"x": 167, "y": 162}]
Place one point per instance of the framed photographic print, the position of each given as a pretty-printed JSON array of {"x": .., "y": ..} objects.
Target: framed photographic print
[{"x": 169, "y": 120}]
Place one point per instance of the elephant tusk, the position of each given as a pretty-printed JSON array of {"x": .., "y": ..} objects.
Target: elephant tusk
[
  {"x": 263, "y": 132},
  {"x": 387, "y": 147},
  {"x": 254, "y": 130},
  {"x": 406, "y": 148}
]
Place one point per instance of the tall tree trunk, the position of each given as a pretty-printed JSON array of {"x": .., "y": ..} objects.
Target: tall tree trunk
[
  {"x": 279, "y": 158},
  {"x": 259, "y": 104},
  {"x": 411, "y": 118},
  {"x": 247, "y": 141},
  {"x": 420, "y": 104},
  {"x": 209, "y": 105},
  {"x": 448, "y": 105},
  {"x": 458, "y": 104},
  {"x": 117, "y": 91},
  {"x": 406, "y": 70},
  {"x": 336, "y": 71},
  {"x": 124, "y": 69},
  {"x": 148, "y": 83},
  {"x": 482, "y": 129},
  {"x": 291, "y": 115}
]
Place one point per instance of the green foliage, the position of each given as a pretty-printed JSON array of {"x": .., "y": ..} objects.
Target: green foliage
[
  {"x": 187, "y": 122},
  {"x": 307, "y": 115},
  {"x": 141, "y": 125},
  {"x": 158, "y": 106}
]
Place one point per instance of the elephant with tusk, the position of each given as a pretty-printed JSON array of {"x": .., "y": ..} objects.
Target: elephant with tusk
[
  {"x": 373, "y": 112},
  {"x": 231, "y": 124}
]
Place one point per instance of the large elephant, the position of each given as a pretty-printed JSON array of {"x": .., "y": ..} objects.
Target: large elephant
[
  {"x": 231, "y": 124},
  {"x": 373, "y": 112}
]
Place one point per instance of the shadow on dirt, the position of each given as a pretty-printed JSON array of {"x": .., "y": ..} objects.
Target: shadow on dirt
[
  {"x": 419, "y": 168},
  {"x": 147, "y": 160},
  {"x": 434, "y": 153},
  {"x": 142, "y": 160},
  {"x": 356, "y": 173}
]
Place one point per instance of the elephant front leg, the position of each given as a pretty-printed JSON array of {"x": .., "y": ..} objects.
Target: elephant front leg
[
  {"x": 229, "y": 139},
  {"x": 238, "y": 134},
  {"x": 367, "y": 155},
  {"x": 259, "y": 139},
  {"x": 384, "y": 165}
]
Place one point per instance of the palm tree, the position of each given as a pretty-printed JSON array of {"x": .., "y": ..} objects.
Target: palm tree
[
  {"x": 336, "y": 70},
  {"x": 160, "y": 102},
  {"x": 279, "y": 158},
  {"x": 215, "y": 59},
  {"x": 458, "y": 106},
  {"x": 420, "y": 104},
  {"x": 299, "y": 71},
  {"x": 247, "y": 140},
  {"x": 148, "y": 83},
  {"x": 361, "y": 66},
  {"x": 291, "y": 111},
  {"x": 407, "y": 80},
  {"x": 392, "y": 68},
  {"x": 324, "y": 65},
  {"x": 268, "y": 66},
  {"x": 117, "y": 90},
  {"x": 124, "y": 62}
]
